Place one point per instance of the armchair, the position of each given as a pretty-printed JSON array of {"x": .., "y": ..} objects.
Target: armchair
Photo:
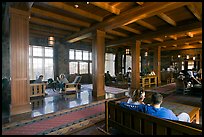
[{"x": 74, "y": 86}]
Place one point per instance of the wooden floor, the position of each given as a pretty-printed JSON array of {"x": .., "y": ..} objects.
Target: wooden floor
[{"x": 55, "y": 102}]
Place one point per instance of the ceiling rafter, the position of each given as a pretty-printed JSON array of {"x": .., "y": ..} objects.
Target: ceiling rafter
[
  {"x": 134, "y": 14},
  {"x": 117, "y": 33},
  {"x": 195, "y": 12},
  {"x": 168, "y": 31},
  {"x": 107, "y": 7},
  {"x": 53, "y": 24},
  {"x": 59, "y": 17},
  {"x": 167, "y": 19},
  {"x": 146, "y": 25},
  {"x": 131, "y": 29},
  {"x": 65, "y": 7}
]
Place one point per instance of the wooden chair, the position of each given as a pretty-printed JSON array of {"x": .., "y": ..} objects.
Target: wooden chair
[
  {"x": 37, "y": 89},
  {"x": 74, "y": 86}
]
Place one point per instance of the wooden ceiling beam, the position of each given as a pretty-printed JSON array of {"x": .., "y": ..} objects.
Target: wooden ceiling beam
[
  {"x": 107, "y": 7},
  {"x": 132, "y": 15},
  {"x": 80, "y": 38},
  {"x": 194, "y": 46},
  {"x": 31, "y": 31},
  {"x": 78, "y": 11},
  {"x": 159, "y": 39},
  {"x": 47, "y": 29},
  {"x": 195, "y": 12},
  {"x": 140, "y": 3},
  {"x": 53, "y": 24},
  {"x": 131, "y": 29},
  {"x": 109, "y": 36},
  {"x": 146, "y": 41},
  {"x": 173, "y": 42},
  {"x": 167, "y": 19},
  {"x": 117, "y": 33},
  {"x": 146, "y": 25},
  {"x": 188, "y": 26},
  {"x": 59, "y": 17}
]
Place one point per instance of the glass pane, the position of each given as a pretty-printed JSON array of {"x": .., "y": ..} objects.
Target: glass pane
[
  {"x": 37, "y": 67},
  {"x": 37, "y": 51},
  {"x": 90, "y": 56},
  {"x": 48, "y": 52},
  {"x": 110, "y": 63},
  {"x": 190, "y": 64},
  {"x": 73, "y": 67},
  {"x": 83, "y": 67},
  {"x": 90, "y": 69},
  {"x": 128, "y": 62},
  {"x": 78, "y": 54},
  {"x": 85, "y": 55},
  {"x": 30, "y": 69},
  {"x": 49, "y": 73},
  {"x": 71, "y": 54}
]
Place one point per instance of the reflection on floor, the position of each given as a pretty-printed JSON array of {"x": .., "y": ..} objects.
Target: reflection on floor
[{"x": 54, "y": 102}]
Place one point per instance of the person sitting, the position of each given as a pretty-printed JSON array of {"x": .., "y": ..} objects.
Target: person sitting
[
  {"x": 108, "y": 78},
  {"x": 156, "y": 110},
  {"x": 39, "y": 80},
  {"x": 62, "y": 81},
  {"x": 138, "y": 97}
]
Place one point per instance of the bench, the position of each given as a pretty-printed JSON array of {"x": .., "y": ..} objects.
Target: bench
[
  {"x": 133, "y": 122},
  {"x": 37, "y": 89}
]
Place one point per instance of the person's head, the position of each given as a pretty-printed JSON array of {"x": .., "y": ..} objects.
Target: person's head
[
  {"x": 138, "y": 95},
  {"x": 156, "y": 99},
  {"x": 41, "y": 76},
  {"x": 62, "y": 76},
  {"x": 107, "y": 72}
]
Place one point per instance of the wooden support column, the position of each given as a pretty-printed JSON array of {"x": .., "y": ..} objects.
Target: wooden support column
[
  {"x": 135, "y": 84},
  {"x": 157, "y": 64},
  {"x": 19, "y": 43},
  {"x": 98, "y": 67}
]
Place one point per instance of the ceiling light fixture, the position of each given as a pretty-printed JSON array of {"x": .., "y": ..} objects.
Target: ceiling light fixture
[{"x": 76, "y": 6}]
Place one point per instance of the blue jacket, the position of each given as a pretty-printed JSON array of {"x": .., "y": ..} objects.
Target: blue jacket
[{"x": 157, "y": 112}]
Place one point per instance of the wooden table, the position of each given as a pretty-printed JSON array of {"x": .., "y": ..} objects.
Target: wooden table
[{"x": 178, "y": 108}]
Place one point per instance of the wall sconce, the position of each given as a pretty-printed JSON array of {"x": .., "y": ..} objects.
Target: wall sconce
[
  {"x": 51, "y": 41},
  {"x": 187, "y": 56},
  {"x": 179, "y": 56},
  {"x": 193, "y": 58}
]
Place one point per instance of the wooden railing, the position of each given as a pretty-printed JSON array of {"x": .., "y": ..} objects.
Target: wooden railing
[
  {"x": 133, "y": 122},
  {"x": 148, "y": 81},
  {"x": 37, "y": 89}
]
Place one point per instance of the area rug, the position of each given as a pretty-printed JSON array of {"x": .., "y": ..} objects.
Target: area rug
[
  {"x": 165, "y": 89},
  {"x": 59, "y": 123},
  {"x": 111, "y": 90}
]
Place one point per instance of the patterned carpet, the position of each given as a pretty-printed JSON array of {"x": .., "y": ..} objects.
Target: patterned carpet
[
  {"x": 165, "y": 89},
  {"x": 62, "y": 122}
]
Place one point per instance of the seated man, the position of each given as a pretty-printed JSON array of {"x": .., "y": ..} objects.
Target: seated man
[
  {"x": 108, "y": 78},
  {"x": 39, "y": 80},
  {"x": 62, "y": 81},
  {"x": 156, "y": 110}
]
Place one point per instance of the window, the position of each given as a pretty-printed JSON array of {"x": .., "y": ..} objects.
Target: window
[
  {"x": 78, "y": 54},
  {"x": 77, "y": 66},
  {"x": 110, "y": 63},
  {"x": 128, "y": 62},
  {"x": 83, "y": 67},
  {"x": 85, "y": 55},
  {"x": 73, "y": 67},
  {"x": 40, "y": 62},
  {"x": 71, "y": 54},
  {"x": 190, "y": 64}
]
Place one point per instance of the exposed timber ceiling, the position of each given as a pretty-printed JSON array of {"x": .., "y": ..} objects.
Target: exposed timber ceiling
[{"x": 171, "y": 25}]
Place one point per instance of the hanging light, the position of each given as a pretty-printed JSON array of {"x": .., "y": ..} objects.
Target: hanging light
[
  {"x": 179, "y": 56},
  {"x": 194, "y": 58},
  {"x": 51, "y": 41}
]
